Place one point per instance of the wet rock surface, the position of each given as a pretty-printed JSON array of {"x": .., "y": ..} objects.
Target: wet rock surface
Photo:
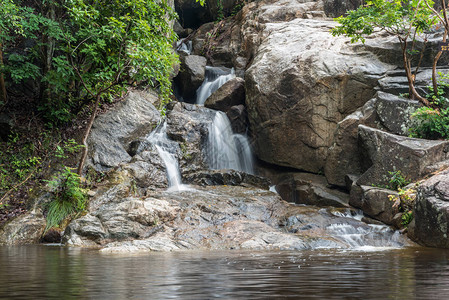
[
  {"x": 217, "y": 217},
  {"x": 229, "y": 94}
]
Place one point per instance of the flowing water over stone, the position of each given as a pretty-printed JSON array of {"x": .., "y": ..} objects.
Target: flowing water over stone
[
  {"x": 184, "y": 46},
  {"x": 45, "y": 272},
  {"x": 165, "y": 148},
  {"x": 215, "y": 78},
  {"x": 227, "y": 150}
]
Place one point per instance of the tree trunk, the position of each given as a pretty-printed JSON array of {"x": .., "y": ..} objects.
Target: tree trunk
[
  {"x": 86, "y": 135},
  {"x": 413, "y": 93},
  {"x": 437, "y": 57}
]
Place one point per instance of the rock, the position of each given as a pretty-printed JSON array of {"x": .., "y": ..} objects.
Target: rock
[
  {"x": 114, "y": 130},
  {"x": 227, "y": 177},
  {"x": 375, "y": 203},
  {"x": 395, "y": 112},
  {"x": 239, "y": 119},
  {"x": 192, "y": 14},
  {"x": 52, "y": 236},
  {"x": 191, "y": 75},
  {"x": 344, "y": 155},
  {"x": 310, "y": 189},
  {"x": 229, "y": 94},
  {"x": 431, "y": 213},
  {"x": 25, "y": 229},
  {"x": 386, "y": 152},
  {"x": 299, "y": 86},
  {"x": 336, "y": 8},
  {"x": 6, "y": 124},
  {"x": 219, "y": 217}
]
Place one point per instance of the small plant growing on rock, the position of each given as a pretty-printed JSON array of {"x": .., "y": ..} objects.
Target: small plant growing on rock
[
  {"x": 405, "y": 202},
  {"x": 397, "y": 180},
  {"x": 69, "y": 198}
]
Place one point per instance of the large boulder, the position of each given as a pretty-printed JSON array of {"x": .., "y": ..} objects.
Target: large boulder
[
  {"x": 25, "y": 229},
  {"x": 375, "y": 202},
  {"x": 310, "y": 189},
  {"x": 191, "y": 75},
  {"x": 229, "y": 94},
  {"x": 387, "y": 152},
  {"x": 301, "y": 83},
  {"x": 344, "y": 156},
  {"x": 395, "y": 112},
  {"x": 431, "y": 214},
  {"x": 113, "y": 131}
]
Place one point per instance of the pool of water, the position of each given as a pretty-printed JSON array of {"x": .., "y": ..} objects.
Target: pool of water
[{"x": 53, "y": 272}]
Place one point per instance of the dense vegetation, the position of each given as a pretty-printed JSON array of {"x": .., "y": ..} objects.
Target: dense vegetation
[
  {"x": 411, "y": 22},
  {"x": 60, "y": 62}
]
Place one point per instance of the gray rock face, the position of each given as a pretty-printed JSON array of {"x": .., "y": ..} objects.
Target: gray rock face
[
  {"x": 415, "y": 158},
  {"x": 239, "y": 119},
  {"x": 344, "y": 155},
  {"x": 394, "y": 112},
  {"x": 229, "y": 94},
  {"x": 226, "y": 177},
  {"x": 431, "y": 214},
  {"x": 310, "y": 189},
  {"x": 25, "y": 229},
  {"x": 299, "y": 86},
  {"x": 375, "y": 203},
  {"x": 336, "y": 8},
  {"x": 220, "y": 217},
  {"x": 191, "y": 75},
  {"x": 113, "y": 131}
]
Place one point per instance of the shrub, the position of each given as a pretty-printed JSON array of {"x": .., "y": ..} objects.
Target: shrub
[
  {"x": 69, "y": 198},
  {"x": 429, "y": 123}
]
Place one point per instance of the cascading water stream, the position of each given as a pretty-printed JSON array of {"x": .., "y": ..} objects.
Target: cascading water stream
[
  {"x": 184, "y": 46},
  {"x": 165, "y": 148},
  {"x": 227, "y": 150},
  {"x": 366, "y": 238},
  {"x": 215, "y": 78}
]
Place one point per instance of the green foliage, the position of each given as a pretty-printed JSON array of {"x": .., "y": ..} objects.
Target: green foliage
[
  {"x": 407, "y": 217},
  {"x": 429, "y": 123},
  {"x": 238, "y": 7},
  {"x": 69, "y": 198},
  {"x": 393, "y": 16},
  {"x": 397, "y": 180},
  {"x": 117, "y": 42}
]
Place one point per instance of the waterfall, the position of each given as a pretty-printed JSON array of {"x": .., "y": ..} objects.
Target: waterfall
[
  {"x": 227, "y": 150},
  {"x": 184, "y": 46},
  {"x": 165, "y": 149},
  {"x": 215, "y": 78}
]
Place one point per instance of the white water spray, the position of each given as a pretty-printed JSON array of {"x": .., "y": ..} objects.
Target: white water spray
[
  {"x": 165, "y": 148},
  {"x": 215, "y": 78},
  {"x": 227, "y": 150}
]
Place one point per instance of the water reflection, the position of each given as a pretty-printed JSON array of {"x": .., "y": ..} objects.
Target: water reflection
[{"x": 39, "y": 272}]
